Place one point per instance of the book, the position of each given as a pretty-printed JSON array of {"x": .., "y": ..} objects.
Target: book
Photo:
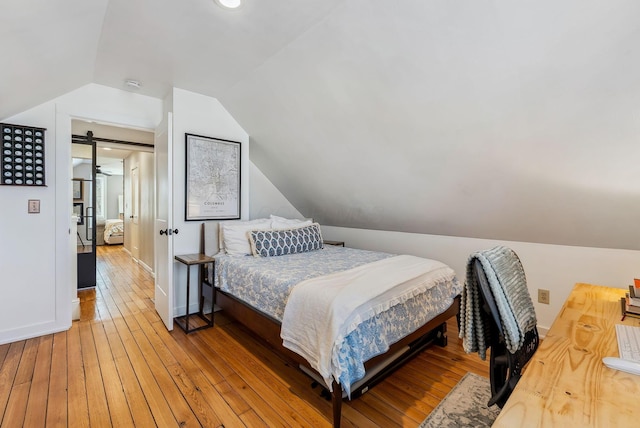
[
  {"x": 624, "y": 307},
  {"x": 633, "y": 298},
  {"x": 630, "y": 314},
  {"x": 629, "y": 308}
]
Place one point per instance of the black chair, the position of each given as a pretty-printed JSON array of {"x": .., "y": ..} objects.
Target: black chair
[{"x": 505, "y": 368}]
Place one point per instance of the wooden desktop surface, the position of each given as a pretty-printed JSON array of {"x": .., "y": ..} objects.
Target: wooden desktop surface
[{"x": 566, "y": 384}]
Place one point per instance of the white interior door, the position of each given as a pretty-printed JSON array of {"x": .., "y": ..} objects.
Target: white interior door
[{"x": 164, "y": 222}]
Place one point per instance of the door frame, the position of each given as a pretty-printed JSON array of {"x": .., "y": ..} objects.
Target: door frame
[
  {"x": 86, "y": 266},
  {"x": 68, "y": 302},
  {"x": 134, "y": 200}
]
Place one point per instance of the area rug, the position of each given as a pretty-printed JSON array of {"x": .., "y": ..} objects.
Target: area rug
[{"x": 464, "y": 406}]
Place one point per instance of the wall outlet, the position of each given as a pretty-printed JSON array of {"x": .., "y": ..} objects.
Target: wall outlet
[{"x": 543, "y": 296}]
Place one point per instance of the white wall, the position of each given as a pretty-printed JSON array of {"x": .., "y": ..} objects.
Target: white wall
[
  {"x": 201, "y": 115},
  {"x": 37, "y": 284},
  {"x": 28, "y": 293},
  {"x": 553, "y": 267},
  {"x": 266, "y": 199},
  {"x": 114, "y": 189}
]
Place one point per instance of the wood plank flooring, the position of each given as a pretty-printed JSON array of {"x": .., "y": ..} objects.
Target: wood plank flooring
[{"x": 118, "y": 366}]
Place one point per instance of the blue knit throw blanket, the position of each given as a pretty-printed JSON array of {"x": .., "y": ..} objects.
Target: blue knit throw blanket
[{"x": 509, "y": 287}]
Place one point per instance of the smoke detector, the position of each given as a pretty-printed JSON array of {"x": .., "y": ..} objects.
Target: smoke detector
[{"x": 132, "y": 83}]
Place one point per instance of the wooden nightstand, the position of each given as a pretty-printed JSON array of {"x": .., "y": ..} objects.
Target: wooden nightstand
[
  {"x": 336, "y": 243},
  {"x": 183, "y": 321}
]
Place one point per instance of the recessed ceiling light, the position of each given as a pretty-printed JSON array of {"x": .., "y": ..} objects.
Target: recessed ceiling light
[{"x": 229, "y": 4}]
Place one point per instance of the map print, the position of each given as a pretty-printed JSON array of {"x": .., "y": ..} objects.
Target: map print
[{"x": 213, "y": 179}]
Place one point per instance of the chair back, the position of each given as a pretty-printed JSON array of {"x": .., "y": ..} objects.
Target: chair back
[{"x": 505, "y": 367}]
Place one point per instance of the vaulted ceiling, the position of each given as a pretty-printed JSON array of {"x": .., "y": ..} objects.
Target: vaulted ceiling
[{"x": 478, "y": 118}]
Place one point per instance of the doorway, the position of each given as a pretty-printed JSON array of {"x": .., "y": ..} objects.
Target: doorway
[{"x": 118, "y": 151}]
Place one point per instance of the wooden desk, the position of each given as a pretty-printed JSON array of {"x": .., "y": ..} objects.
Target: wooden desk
[{"x": 566, "y": 384}]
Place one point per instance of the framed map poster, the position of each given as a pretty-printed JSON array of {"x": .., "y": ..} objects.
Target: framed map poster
[{"x": 212, "y": 178}]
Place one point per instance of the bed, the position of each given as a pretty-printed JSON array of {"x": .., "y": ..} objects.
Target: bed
[
  {"x": 265, "y": 285},
  {"x": 113, "y": 231}
]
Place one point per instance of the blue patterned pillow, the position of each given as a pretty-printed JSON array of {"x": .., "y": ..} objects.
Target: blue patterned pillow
[{"x": 278, "y": 242}]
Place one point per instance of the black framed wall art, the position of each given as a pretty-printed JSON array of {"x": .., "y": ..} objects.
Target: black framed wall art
[
  {"x": 78, "y": 211},
  {"x": 212, "y": 178},
  {"x": 77, "y": 189}
]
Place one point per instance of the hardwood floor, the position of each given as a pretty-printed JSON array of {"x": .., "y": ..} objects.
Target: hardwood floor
[{"x": 119, "y": 366}]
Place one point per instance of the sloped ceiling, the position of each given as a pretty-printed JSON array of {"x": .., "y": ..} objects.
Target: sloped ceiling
[{"x": 479, "y": 118}]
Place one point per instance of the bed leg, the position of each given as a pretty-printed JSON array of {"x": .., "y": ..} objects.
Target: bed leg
[
  {"x": 441, "y": 335},
  {"x": 336, "y": 399}
]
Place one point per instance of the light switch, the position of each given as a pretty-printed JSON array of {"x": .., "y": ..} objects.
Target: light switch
[{"x": 34, "y": 206}]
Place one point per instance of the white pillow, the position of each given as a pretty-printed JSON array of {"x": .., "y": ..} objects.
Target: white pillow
[
  {"x": 222, "y": 223},
  {"x": 286, "y": 223},
  {"x": 234, "y": 235}
]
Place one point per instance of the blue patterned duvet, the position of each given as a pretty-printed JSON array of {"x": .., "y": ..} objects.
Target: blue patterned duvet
[{"x": 265, "y": 283}]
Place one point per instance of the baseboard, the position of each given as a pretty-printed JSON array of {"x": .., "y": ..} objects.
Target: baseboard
[
  {"x": 542, "y": 331},
  {"x": 141, "y": 263},
  {"x": 75, "y": 309},
  {"x": 32, "y": 331},
  {"x": 146, "y": 267}
]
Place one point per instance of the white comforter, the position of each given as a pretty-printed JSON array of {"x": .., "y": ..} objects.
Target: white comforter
[
  {"x": 113, "y": 227},
  {"x": 321, "y": 311}
]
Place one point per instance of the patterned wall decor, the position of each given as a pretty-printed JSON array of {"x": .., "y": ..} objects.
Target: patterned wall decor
[{"x": 22, "y": 155}]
